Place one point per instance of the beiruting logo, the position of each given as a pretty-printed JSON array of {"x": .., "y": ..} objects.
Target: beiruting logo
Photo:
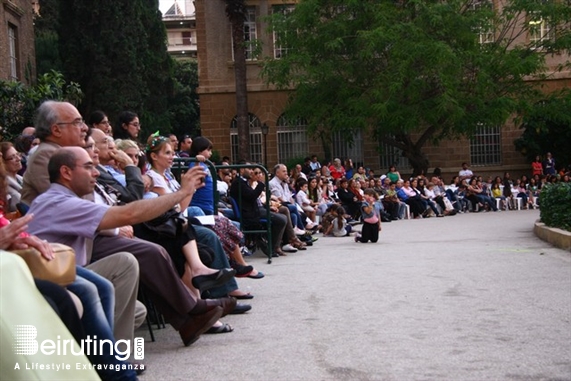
[{"x": 25, "y": 343}]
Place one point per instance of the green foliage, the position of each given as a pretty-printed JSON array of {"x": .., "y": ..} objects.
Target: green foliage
[
  {"x": 184, "y": 107},
  {"x": 291, "y": 163},
  {"x": 18, "y": 102},
  {"x": 547, "y": 128},
  {"x": 409, "y": 68},
  {"x": 216, "y": 158},
  {"x": 556, "y": 205}
]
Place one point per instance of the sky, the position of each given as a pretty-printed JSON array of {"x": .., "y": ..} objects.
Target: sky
[{"x": 164, "y": 5}]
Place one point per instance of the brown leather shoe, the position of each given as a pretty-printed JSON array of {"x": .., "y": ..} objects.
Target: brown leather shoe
[
  {"x": 196, "y": 325},
  {"x": 228, "y": 304}
]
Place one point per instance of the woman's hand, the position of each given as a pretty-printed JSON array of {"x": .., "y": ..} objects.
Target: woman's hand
[
  {"x": 32, "y": 241},
  {"x": 9, "y": 233}
]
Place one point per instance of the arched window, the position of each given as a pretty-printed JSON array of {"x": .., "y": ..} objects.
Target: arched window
[
  {"x": 255, "y": 139},
  {"x": 292, "y": 138}
]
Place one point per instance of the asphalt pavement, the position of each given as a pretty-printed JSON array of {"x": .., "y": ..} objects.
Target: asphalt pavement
[{"x": 468, "y": 297}]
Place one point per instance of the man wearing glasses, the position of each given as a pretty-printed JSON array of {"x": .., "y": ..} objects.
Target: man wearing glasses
[{"x": 59, "y": 124}]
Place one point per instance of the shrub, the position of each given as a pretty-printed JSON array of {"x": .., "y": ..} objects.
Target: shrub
[{"x": 556, "y": 205}]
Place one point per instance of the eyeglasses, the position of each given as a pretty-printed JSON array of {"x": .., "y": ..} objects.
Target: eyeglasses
[
  {"x": 79, "y": 122},
  {"x": 137, "y": 125},
  {"x": 106, "y": 122},
  {"x": 89, "y": 166},
  {"x": 257, "y": 172}
]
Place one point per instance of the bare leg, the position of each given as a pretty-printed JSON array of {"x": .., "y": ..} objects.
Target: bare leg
[{"x": 190, "y": 251}]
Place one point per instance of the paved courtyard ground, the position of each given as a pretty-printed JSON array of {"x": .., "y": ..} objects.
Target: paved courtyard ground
[{"x": 468, "y": 297}]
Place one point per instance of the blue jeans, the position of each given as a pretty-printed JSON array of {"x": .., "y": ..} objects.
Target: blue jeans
[
  {"x": 220, "y": 260},
  {"x": 104, "y": 293},
  {"x": 98, "y": 298},
  {"x": 296, "y": 219}
]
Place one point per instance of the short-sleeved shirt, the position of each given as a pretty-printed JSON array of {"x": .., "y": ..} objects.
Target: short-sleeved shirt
[
  {"x": 63, "y": 217},
  {"x": 167, "y": 182}
]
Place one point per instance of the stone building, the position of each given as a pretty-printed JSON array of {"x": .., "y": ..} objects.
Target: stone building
[
  {"x": 490, "y": 152},
  {"x": 17, "y": 53}
]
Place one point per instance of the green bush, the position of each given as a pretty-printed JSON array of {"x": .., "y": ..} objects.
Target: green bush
[
  {"x": 556, "y": 205},
  {"x": 291, "y": 163}
]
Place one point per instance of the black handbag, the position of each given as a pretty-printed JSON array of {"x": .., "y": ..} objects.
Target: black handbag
[{"x": 170, "y": 224}]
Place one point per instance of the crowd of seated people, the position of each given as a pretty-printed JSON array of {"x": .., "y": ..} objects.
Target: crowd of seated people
[{"x": 98, "y": 194}]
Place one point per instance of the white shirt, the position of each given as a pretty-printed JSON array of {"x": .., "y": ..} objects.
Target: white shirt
[{"x": 281, "y": 190}]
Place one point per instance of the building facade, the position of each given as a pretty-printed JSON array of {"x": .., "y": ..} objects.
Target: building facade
[
  {"x": 17, "y": 52},
  {"x": 490, "y": 152}
]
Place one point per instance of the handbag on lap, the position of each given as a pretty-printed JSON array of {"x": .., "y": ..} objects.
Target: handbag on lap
[{"x": 60, "y": 270}]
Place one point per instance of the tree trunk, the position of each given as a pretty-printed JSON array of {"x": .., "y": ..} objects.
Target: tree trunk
[
  {"x": 417, "y": 160},
  {"x": 235, "y": 11}
]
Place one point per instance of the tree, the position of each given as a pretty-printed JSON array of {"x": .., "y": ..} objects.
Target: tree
[
  {"x": 547, "y": 128},
  {"x": 411, "y": 72},
  {"x": 236, "y": 13},
  {"x": 184, "y": 106},
  {"x": 18, "y": 102},
  {"x": 116, "y": 50}
]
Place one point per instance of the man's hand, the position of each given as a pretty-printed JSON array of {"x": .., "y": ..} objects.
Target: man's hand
[
  {"x": 126, "y": 231},
  {"x": 121, "y": 158},
  {"x": 192, "y": 180}
]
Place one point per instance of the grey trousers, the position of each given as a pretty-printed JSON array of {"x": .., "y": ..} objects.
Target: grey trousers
[{"x": 122, "y": 270}]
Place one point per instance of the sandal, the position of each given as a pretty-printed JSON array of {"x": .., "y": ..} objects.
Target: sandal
[
  {"x": 298, "y": 245},
  {"x": 242, "y": 296},
  {"x": 224, "y": 328}
]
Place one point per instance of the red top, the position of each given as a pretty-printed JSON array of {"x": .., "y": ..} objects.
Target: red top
[{"x": 536, "y": 168}]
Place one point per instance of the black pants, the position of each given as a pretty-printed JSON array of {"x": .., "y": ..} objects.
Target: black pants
[
  {"x": 369, "y": 232},
  {"x": 392, "y": 208}
]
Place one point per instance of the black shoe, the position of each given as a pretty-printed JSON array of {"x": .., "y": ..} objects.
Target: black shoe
[
  {"x": 206, "y": 282},
  {"x": 240, "y": 309},
  {"x": 241, "y": 271}
]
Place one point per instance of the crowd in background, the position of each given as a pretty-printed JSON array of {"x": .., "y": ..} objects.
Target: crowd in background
[{"x": 202, "y": 260}]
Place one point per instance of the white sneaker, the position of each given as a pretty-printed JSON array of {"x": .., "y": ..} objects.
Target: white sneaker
[
  {"x": 289, "y": 248},
  {"x": 298, "y": 231}
]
